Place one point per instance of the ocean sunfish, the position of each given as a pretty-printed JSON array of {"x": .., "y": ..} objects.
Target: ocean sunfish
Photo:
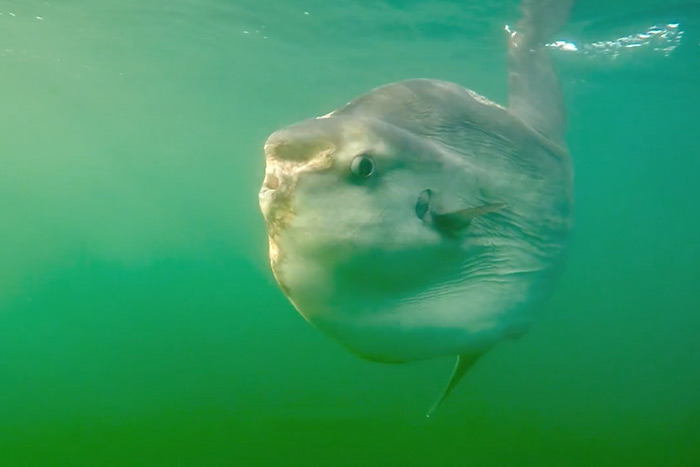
[{"x": 421, "y": 219}]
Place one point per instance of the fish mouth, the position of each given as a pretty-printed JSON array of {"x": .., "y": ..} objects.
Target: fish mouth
[{"x": 276, "y": 199}]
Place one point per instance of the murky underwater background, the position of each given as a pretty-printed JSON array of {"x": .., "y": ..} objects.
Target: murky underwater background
[{"x": 140, "y": 325}]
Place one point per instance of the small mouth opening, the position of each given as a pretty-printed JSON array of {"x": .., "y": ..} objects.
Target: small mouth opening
[{"x": 271, "y": 182}]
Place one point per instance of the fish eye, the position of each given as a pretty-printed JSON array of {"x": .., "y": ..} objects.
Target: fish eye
[{"x": 362, "y": 166}]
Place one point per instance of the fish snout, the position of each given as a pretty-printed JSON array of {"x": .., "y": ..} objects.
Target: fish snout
[{"x": 290, "y": 154}]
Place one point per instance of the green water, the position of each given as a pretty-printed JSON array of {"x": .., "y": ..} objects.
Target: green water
[{"x": 140, "y": 324}]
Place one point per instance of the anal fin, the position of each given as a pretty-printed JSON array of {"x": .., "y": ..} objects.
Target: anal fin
[{"x": 463, "y": 364}]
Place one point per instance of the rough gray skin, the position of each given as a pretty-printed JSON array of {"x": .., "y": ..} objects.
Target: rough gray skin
[{"x": 422, "y": 219}]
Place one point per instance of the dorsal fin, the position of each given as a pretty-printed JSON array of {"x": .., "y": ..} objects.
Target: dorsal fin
[{"x": 534, "y": 93}]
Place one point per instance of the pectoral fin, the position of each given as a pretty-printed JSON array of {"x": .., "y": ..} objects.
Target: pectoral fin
[
  {"x": 453, "y": 222},
  {"x": 423, "y": 205},
  {"x": 449, "y": 223},
  {"x": 464, "y": 363}
]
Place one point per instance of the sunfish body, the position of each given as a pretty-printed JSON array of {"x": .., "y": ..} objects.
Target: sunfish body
[{"x": 421, "y": 219}]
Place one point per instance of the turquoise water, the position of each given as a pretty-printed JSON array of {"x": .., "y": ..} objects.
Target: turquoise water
[{"x": 139, "y": 321}]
